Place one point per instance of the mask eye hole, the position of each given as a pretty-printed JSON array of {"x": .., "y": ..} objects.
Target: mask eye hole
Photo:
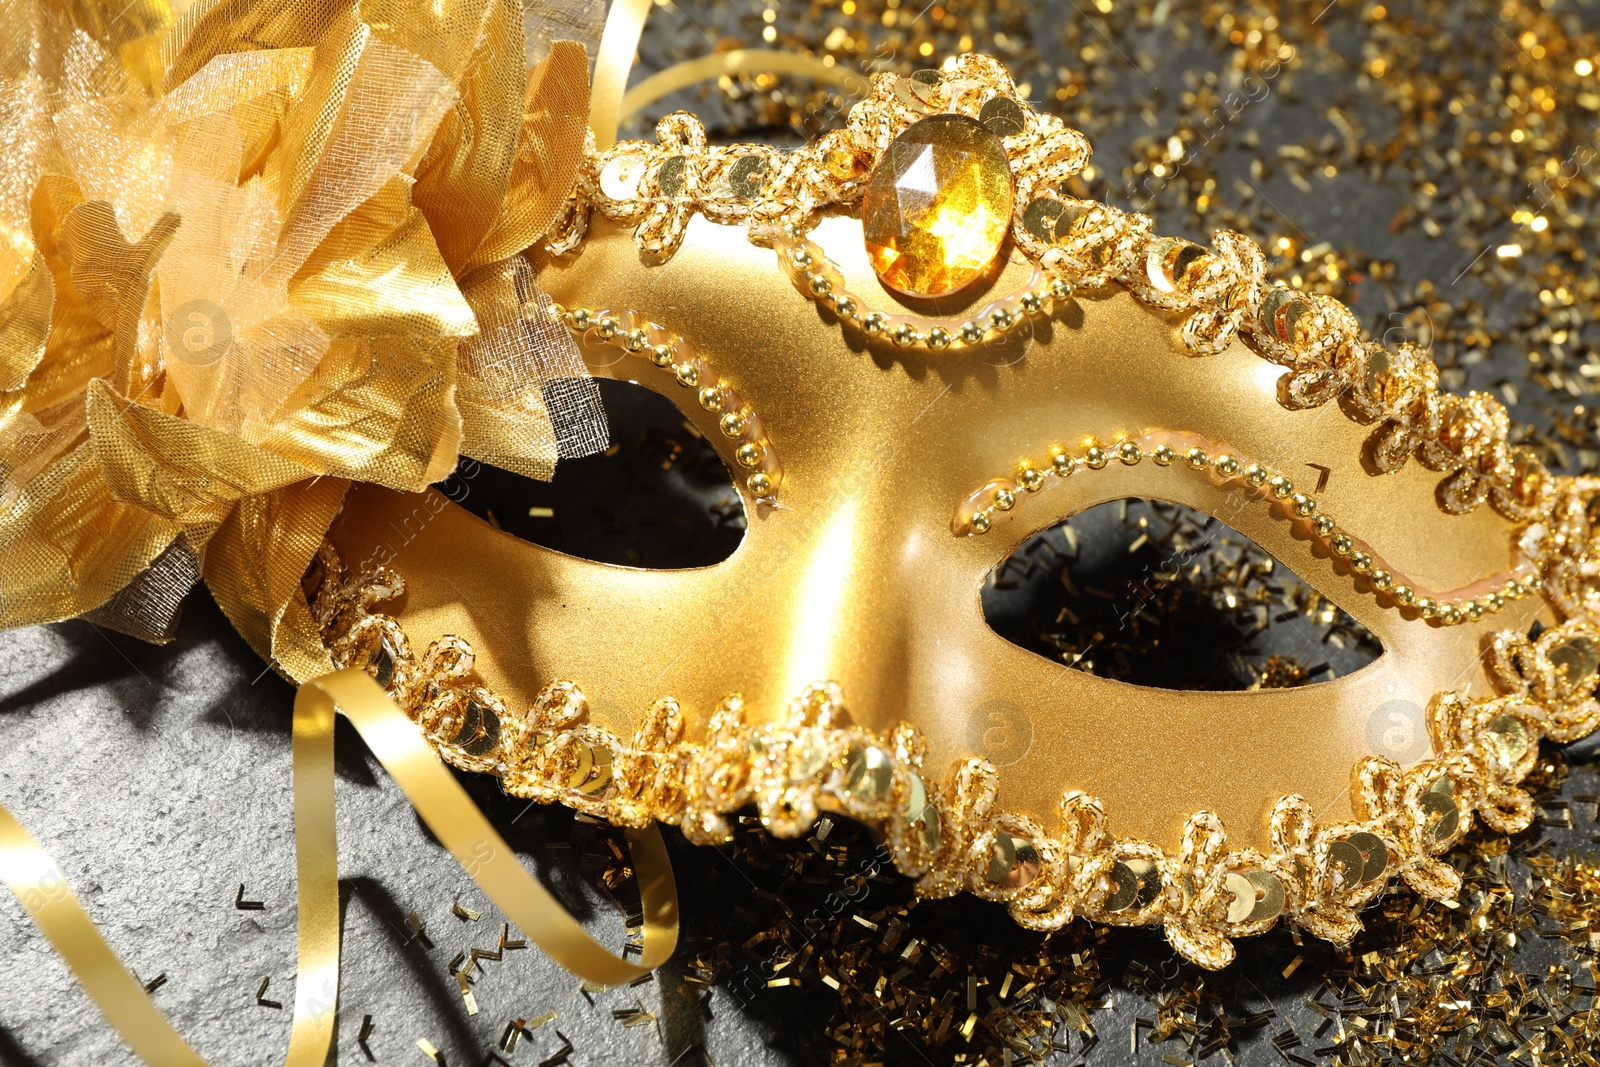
[
  {"x": 660, "y": 497},
  {"x": 1161, "y": 595}
]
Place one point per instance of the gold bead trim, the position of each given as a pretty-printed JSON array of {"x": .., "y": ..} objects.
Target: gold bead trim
[
  {"x": 950, "y": 839},
  {"x": 1191, "y": 452},
  {"x": 819, "y": 278},
  {"x": 691, "y": 370}
]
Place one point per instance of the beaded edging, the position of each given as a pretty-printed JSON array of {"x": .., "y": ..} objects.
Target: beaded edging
[
  {"x": 1184, "y": 450},
  {"x": 950, "y": 837},
  {"x": 1220, "y": 292},
  {"x": 691, "y": 370}
]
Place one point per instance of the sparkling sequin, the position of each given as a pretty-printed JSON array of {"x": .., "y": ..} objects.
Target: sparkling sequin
[{"x": 1579, "y": 658}]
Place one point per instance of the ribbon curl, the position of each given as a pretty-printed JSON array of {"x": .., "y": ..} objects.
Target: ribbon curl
[{"x": 455, "y": 820}]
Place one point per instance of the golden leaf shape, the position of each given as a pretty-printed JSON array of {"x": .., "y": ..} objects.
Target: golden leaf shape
[
  {"x": 176, "y": 468},
  {"x": 367, "y": 110},
  {"x": 254, "y": 564}
]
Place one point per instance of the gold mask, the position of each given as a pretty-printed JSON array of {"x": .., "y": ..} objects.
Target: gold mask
[{"x": 895, "y": 441}]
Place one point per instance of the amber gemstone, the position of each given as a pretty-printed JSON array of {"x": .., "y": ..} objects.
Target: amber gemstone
[{"x": 938, "y": 206}]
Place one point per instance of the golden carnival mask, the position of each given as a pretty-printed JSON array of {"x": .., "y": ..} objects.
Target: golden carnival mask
[
  {"x": 272, "y": 272},
  {"x": 918, "y": 350}
]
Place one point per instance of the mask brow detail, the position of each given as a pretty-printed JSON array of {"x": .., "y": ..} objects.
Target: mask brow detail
[
  {"x": 1221, "y": 293},
  {"x": 820, "y": 278},
  {"x": 974, "y": 516},
  {"x": 691, "y": 370}
]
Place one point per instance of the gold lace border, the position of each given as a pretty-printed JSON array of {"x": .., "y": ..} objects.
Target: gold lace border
[
  {"x": 1222, "y": 291},
  {"x": 949, "y": 836}
]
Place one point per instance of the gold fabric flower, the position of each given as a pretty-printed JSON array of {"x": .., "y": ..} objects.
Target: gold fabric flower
[{"x": 254, "y": 254}]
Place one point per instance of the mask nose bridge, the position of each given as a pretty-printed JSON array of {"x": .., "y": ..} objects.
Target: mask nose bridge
[
  {"x": 880, "y": 594},
  {"x": 840, "y": 600}
]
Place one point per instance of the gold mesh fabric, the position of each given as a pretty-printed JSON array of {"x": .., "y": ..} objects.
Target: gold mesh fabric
[
  {"x": 379, "y": 410},
  {"x": 254, "y": 564},
  {"x": 546, "y": 22},
  {"x": 548, "y": 151},
  {"x": 462, "y": 180},
  {"x": 521, "y": 347},
  {"x": 24, "y": 318},
  {"x": 147, "y": 607},
  {"x": 68, "y": 545},
  {"x": 257, "y": 252},
  {"x": 174, "y": 468},
  {"x": 78, "y": 347}
]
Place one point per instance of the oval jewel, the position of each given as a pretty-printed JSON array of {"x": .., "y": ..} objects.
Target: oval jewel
[{"x": 938, "y": 206}]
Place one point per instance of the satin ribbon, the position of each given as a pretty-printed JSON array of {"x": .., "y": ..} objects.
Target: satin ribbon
[
  {"x": 458, "y": 824},
  {"x": 618, "y": 43},
  {"x": 33, "y": 876},
  {"x": 611, "y": 100},
  {"x": 39, "y": 885}
]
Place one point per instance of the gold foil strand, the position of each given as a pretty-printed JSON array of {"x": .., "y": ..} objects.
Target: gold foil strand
[
  {"x": 618, "y": 43},
  {"x": 462, "y": 828},
  {"x": 740, "y": 61},
  {"x": 38, "y": 883}
]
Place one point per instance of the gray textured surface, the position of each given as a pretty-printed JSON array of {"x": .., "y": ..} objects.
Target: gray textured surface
[{"x": 160, "y": 779}]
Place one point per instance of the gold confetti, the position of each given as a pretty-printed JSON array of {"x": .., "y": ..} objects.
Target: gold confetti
[{"x": 261, "y": 995}]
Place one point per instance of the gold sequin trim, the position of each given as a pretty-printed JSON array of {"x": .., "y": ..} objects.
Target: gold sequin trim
[
  {"x": 951, "y": 838},
  {"x": 1076, "y": 244}
]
